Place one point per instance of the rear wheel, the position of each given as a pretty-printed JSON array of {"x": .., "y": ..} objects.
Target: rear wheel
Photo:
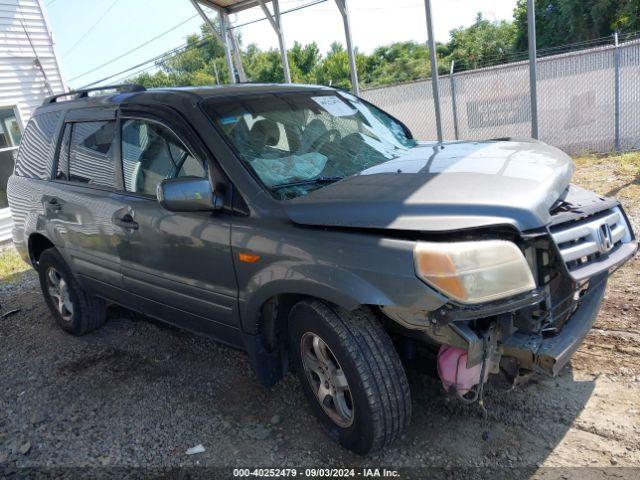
[
  {"x": 74, "y": 310},
  {"x": 351, "y": 374}
]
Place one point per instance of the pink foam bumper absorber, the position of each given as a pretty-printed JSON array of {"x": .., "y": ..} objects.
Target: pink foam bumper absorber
[{"x": 453, "y": 371}]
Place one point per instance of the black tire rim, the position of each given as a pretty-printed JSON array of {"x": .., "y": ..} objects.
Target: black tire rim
[
  {"x": 58, "y": 290},
  {"x": 327, "y": 379}
]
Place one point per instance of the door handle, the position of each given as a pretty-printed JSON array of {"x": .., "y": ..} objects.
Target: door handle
[
  {"x": 53, "y": 205},
  {"x": 127, "y": 222}
]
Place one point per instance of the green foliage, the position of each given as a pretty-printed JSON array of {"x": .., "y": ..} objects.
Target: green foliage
[
  {"x": 394, "y": 63},
  {"x": 262, "y": 66},
  {"x": 482, "y": 43},
  {"x": 559, "y": 22},
  {"x": 334, "y": 69},
  {"x": 302, "y": 62}
]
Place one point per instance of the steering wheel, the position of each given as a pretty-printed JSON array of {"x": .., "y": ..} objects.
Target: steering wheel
[{"x": 323, "y": 139}]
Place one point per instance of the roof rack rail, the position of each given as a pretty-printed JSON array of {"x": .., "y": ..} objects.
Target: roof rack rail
[{"x": 84, "y": 92}]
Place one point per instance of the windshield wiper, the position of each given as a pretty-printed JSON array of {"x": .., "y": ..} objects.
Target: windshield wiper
[{"x": 311, "y": 181}]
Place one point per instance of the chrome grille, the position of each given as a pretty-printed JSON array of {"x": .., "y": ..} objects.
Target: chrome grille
[{"x": 589, "y": 239}]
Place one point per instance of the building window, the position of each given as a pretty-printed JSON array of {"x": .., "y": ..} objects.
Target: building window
[{"x": 10, "y": 135}]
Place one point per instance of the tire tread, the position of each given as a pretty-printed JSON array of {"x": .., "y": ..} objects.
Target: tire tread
[{"x": 379, "y": 366}]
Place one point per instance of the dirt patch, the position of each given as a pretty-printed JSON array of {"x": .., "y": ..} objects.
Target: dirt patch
[
  {"x": 121, "y": 364},
  {"x": 136, "y": 394}
]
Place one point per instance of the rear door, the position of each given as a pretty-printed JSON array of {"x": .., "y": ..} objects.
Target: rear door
[
  {"x": 83, "y": 199},
  {"x": 179, "y": 265}
]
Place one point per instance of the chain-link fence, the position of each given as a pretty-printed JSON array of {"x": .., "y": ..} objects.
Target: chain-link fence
[{"x": 578, "y": 107}]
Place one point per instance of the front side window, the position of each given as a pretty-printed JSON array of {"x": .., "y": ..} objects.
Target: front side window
[
  {"x": 91, "y": 158},
  {"x": 151, "y": 153},
  {"x": 297, "y": 142}
]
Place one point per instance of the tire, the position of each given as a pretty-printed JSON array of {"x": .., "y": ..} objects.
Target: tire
[
  {"x": 376, "y": 406},
  {"x": 74, "y": 310}
]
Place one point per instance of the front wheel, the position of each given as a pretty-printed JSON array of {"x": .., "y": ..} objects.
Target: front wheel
[{"x": 351, "y": 374}]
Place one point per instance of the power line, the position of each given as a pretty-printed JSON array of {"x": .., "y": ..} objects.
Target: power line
[
  {"x": 83, "y": 36},
  {"x": 507, "y": 57},
  {"x": 134, "y": 49},
  {"x": 294, "y": 9},
  {"x": 180, "y": 49},
  {"x": 187, "y": 47}
]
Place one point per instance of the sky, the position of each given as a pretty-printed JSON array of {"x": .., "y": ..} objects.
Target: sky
[{"x": 88, "y": 34}]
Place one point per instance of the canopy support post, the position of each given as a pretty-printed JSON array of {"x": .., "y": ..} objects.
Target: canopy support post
[
  {"x": 344, "y": 11},
  {"x": 434, "y": 69},
  {"x": 276, "y": 23},
  {"x": 221, "y": 38},
  {"x": 236, "y": 51}
]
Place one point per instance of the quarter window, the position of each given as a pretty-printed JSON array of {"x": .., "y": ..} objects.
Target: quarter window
[
  {"x": 151, "y": 153},
  {"x": 62, "y": 172},
  {"x": 91, "y": 157},
  {"x": 35, "y": 157}
]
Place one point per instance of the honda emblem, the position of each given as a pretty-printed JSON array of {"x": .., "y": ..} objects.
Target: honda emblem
[{"x": 605, "y": 240}]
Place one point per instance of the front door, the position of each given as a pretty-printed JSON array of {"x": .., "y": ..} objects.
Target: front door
[{"x": 177, "y": 265}]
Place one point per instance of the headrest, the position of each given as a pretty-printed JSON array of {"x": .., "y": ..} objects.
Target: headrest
[{"x": 265, "y": 132}]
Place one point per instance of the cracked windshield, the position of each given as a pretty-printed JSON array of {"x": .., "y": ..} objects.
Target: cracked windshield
[{"x": 298, "y": 142}]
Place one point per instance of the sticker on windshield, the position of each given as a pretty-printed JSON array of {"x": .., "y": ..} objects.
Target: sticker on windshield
[{"x": 334, "y": 106}]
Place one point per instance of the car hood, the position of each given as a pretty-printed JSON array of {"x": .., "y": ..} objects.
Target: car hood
[{"x": 444, "y": 187}]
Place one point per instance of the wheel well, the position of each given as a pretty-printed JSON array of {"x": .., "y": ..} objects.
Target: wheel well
[
  {"x": 274, "y": 318},
  {"x": 37, "y": 244},
  {"x": 269, "y": 350}
]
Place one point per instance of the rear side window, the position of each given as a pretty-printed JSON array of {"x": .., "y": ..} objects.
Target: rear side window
[
  {"x": 35, "y": 156},
  {"x": 91, "y": 154}
]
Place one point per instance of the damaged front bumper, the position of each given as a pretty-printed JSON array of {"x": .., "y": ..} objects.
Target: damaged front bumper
[
  {"x": 538, "y": 331},
  {"x": 535, "y": 352}
]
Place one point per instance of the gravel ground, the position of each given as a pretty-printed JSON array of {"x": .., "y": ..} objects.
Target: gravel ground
[{"x": 138, "y": 394}]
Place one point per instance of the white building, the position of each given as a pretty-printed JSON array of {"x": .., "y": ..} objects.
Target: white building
[{"x": 29, "y": 72}]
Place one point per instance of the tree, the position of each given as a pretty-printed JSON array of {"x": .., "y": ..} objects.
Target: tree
[
  {"x": 261, "y": 66},
  {"x": 561, "y": 22},
  {"x": 482, "y": 43},
  {"x": 334, "y": 68},
  {"x": 395, "y": 63},
  {"x": 302, "y": 62}
]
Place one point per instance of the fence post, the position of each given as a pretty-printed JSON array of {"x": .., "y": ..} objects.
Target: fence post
[
  {"x": 453, "y": 101},
  {"x": 533, "y": 77},
  {"x": 616, "y": 63}
]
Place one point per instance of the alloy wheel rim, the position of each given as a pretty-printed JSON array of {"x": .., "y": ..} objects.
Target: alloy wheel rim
[
  {"x": 58, "y": 290},
  {"x": 327, "y": 379}
]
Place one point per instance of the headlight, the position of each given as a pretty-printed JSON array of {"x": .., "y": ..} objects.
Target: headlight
[{"x": 474, "y": 272}]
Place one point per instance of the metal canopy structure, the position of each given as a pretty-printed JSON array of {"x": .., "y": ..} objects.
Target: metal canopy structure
[
  {"x": 236, "y": 71},
  {"x": 232, "y": 52}
]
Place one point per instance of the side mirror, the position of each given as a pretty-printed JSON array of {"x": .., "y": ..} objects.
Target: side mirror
[{"x": 188, "y": 194}]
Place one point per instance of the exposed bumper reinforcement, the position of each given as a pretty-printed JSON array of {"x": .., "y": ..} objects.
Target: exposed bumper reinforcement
[{"x": 550, "y": 354}]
